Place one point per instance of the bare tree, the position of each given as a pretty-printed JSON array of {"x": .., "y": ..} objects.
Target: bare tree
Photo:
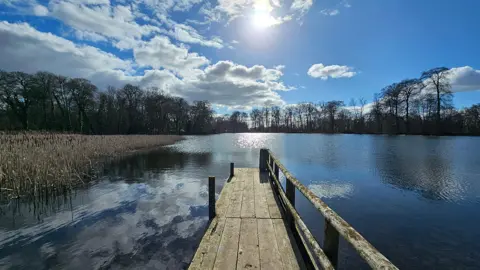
[
  {"x": 408, "y": 89},
  {"x": 332, "y": 107},
  {"x": 437, "y": 78}
]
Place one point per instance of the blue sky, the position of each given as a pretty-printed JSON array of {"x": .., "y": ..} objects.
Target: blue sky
[{"x": 245, "y": 53}]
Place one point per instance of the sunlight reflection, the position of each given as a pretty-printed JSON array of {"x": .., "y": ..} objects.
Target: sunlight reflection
[
  {"x": 261, "y": 17},
  {"x": 331, "y": 190},
  {"x": 253, "y": 140}
]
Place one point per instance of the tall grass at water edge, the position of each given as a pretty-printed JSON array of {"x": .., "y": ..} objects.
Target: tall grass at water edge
[{"x": 34, "y": 163}]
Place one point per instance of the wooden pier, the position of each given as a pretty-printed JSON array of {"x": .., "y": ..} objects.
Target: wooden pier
[{"x": 254, "y": 225}]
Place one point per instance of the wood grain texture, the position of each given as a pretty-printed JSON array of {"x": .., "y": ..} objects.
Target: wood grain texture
[
  {"x": 270, "y": 257},
  {"x": 285, "y": 248},
  {"x": 207, "y": 251},
  {"x": 273, "y": 207},
  {"x": 261, "y": 206},
  {"x": 224, "y": 199},
  {"x": 248, "y": 253},
  {"x": 228, "y": 248},
  {"x": 248, "y": 200},
  {"x": 235, "y": 205}
]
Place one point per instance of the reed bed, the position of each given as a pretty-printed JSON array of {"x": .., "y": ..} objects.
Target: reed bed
[{"x": 32, "y": 164}]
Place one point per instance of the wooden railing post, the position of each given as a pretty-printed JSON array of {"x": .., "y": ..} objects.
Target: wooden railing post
[
  {"x": 276, "y": 172},
  {"x": 290, "y": 193},
  {"x": 270, "y": 161},
  {"x": 211, "y": 197},
  {"x": 263, "y": 160},
  {"x": 330, "y": 243},
  {"x": 231, "y": 169}
]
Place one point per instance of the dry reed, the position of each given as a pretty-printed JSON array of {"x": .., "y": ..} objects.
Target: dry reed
[{"x": 34, "y": 163}]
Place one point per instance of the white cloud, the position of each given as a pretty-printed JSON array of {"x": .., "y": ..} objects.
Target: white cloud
[
  {"x": 277, "y": 3},
  {"x": 39, "y": 10},
  {"x": 96, "y": 20},
  {"x": 280, "y": 67},
  {"x": 236, "y": 86},
  {"x": 233, "y": 9},
  {"x": 366, "y": 109},
  {"x": 333, "y": 71},
  {"x": 231, "y": 93},
  {"x": 162, "y": 79},
  {"x": 160, "y": 52},
  {"x": 235, "y": 42},
  {"x": 86, "y": 35},
  {"x": 185, "y": 5},
  {"x": 346, "y": 4},
  {"x": 90, "y": 2},
  {"x": 164, "y": 6},
  {"x": 301, "y": 6},
  {"x": 229, "y": 70},
  {"x": 23, "y": 48},
  {"x": 115, "y": 22},
  {"x": 212, "y": 14},
  {"x": 188, "y": 34},
  {"x": 330, "y": 12},
  {"x": 464, "y": 79}
]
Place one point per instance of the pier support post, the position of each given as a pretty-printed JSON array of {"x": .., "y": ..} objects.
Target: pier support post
[
  {"x": 263, "y": 160},
  {"x": 330, "y": 243},
  {"x": 211, "y": 197},
  {"x": 232, "y": 166}
]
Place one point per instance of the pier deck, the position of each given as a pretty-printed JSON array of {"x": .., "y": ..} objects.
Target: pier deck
[
  {"x": 255, "y": 225},
  {"x": 249, "y": 231}
]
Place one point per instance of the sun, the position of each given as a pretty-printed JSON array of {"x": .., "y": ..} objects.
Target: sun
[{"x": 262, "y": 19}]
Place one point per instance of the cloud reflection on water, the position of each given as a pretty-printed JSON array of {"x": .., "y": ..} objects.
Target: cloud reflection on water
[
  {"x": 331, "y": 190},
  {"x": 120, "y": 224}
]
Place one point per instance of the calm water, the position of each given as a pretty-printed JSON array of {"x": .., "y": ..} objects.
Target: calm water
[{"x": 415, "y": 198}]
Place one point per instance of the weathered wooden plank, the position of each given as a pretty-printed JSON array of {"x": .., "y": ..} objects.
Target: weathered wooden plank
[
  {"x": 235, "y": 205},
  {"x": 261, "y": 206},
  {"x": 248, "y": 200},
  {"x": 285, "y": 246},
  {"x": 224, "y": 200},
  {"x": 248, "y": 253},
  {"x": 226, "y": 257},
  {"x": 207, "y": 250},
  {"x": 235, "y": 198},
  {"x": 273, "y": 207},
  {"x": 239, "y": 180},
  {"x": 270, "y": 257}
]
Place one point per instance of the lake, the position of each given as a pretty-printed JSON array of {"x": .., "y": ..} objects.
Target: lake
[{"x": 415, "y": 198}]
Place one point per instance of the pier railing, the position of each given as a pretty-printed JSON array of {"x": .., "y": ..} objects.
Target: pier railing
[{"x": 335, "y": 226}]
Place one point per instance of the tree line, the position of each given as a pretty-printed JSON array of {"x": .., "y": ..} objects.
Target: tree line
[
  {"x": 422, "y": 105},
  {"x": 45, "y": 101}
]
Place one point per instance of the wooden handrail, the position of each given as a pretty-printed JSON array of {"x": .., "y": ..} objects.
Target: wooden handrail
[
  {"x": 334, "y": 224},
  {"x": 322, "y": 257}
]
